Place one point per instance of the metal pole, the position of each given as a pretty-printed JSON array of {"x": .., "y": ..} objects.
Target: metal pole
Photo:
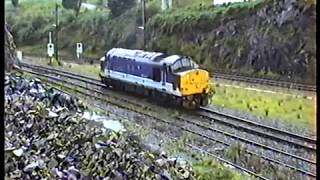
[
  {"x": 57, "y": 33},
  {"x": 143, "y": 21},
  {"x": 50, "y": 41}
]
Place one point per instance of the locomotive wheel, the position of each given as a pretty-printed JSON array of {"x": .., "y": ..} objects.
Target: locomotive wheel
[
  {"x": 190, "y": 104},
  {"x": 178, "y": 101},
  {"x": 204, "y": 102}
]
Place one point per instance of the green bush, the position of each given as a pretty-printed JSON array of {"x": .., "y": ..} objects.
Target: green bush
[
  {"x": 96, "y": 29},
  {"x": 209, "y": 169}
]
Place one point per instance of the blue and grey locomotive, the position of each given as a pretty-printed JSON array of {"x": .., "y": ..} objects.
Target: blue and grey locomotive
[{"x": 172, "y": 78}]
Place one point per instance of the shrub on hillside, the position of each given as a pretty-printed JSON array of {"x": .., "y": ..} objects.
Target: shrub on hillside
[{"x": 117, "y": 7}]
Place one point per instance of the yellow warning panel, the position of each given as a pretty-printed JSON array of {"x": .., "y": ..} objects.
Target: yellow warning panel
[{"x": 195, "y": 81}]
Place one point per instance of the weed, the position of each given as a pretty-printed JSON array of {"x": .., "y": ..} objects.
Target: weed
[
  {"x": 234, "y": 152},
  {"x": 299, "y": 116},
  {"x": 266, "y": 112}
]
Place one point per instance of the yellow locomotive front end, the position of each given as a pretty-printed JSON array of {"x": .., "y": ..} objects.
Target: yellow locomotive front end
[{"x": 194, "y": 88}]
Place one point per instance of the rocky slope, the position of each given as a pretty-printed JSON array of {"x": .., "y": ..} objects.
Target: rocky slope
[
  {"x": 47, "y": 137},
  {"x": 10, "y": 54},
  {"x": 275, "y": 38}
]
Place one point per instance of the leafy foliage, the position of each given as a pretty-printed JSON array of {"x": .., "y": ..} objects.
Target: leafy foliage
[
  {"x": 209, "y": 169},
  {"x": 34, "y": 22},
  {"x": 118, "y": 7}
]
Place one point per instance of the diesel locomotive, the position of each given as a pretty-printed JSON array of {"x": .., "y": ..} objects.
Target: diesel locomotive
[{"x": 171, "y": 78}]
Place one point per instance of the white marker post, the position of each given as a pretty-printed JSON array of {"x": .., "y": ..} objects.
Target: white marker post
[
  {"x": 19, "y": 56},
  {"x": 79, "y": 50},
  {"x": 50, "y": 48}
]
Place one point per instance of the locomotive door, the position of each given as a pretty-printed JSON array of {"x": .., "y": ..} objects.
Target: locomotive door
[
  {"x": 164, "y": 74},
  {"x": 107, "y": 64}
]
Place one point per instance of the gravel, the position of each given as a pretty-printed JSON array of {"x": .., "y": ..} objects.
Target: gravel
[
  {"x": 217, "y": 148},
  {"x": 47, "y": 137}
]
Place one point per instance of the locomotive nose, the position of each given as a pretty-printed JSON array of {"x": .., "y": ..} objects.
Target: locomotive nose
[{"x": 195, "y": 81}]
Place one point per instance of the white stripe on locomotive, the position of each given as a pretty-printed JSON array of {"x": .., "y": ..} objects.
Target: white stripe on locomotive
[{"x": 146, "y": 82}]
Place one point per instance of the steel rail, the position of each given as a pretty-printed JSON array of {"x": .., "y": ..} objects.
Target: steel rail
[
  {"x": 278, "y": 83},
  {"x": 75, "y": 76},
  {"x": 262, "y": 133},
  {"x": 242, "y": 120},
  {"x": 251, "y": 142},
  {"x": 159, "y": 119},
  {"x": 300, "y": 170},
  {"x": 268, "y": 128},
  {"x": 262, "y": 81}
]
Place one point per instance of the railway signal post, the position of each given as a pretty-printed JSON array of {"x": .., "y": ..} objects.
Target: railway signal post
[{"x": 79, "y": 51}]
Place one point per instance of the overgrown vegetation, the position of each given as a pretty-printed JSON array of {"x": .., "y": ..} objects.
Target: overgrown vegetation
[
  {"x": 292, "y": 109},
  {"x": 84, "y": 69},
  {"x": 32, "y": 22},
  {"x": 252, "y": 38}
]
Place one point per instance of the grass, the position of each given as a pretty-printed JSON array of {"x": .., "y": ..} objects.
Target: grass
[
  {"x": 83, "y": 69},
  {"x": 209, "y": 169},
  {"x": 296, "y": 110}
]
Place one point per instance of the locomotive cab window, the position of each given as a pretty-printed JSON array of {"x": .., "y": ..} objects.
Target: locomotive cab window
[{"x": 182, "y": 64}]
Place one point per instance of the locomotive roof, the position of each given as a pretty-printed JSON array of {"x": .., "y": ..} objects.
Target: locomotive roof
[{"x": 144, "y": 56}]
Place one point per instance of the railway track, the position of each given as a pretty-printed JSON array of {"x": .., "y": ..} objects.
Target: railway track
[
  {"x": 246, "y": 79},
  {"x": 275, "y": 134},
  {"x": 207, "y": 114},
  {"x": 268, "y": 82}
]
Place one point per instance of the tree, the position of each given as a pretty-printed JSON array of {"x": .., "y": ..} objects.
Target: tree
[
  {"x": 72, "y": 4},
  {"x": 15, "y": 3},
  {"x": 117, "y": 7}
]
